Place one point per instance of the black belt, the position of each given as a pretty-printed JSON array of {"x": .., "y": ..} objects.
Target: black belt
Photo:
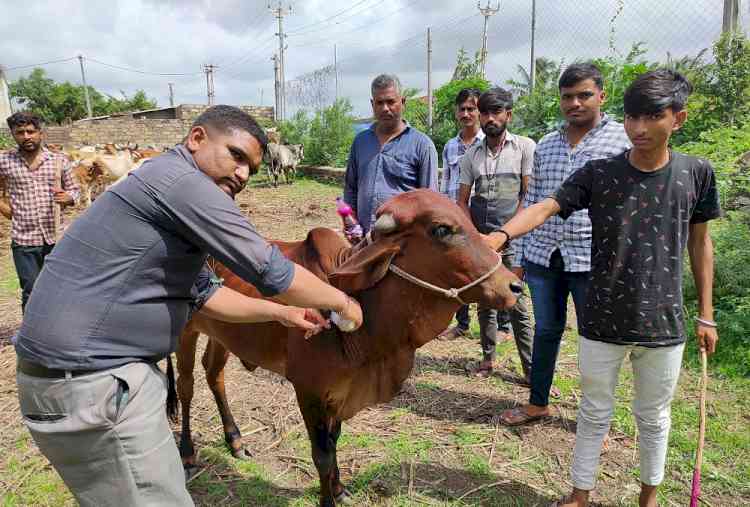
[{"x": 37, "y": 370}]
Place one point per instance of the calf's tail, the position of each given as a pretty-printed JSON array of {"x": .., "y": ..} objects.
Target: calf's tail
[{"x": 172, "y": 402}]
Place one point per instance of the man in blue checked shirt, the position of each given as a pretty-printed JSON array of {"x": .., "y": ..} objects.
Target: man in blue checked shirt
[
  {"x": 467, "y": 115},
  {"x": 556, "y": 257}
]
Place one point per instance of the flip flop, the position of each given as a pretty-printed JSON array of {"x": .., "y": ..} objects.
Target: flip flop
[{"x": 517, "y": 417}]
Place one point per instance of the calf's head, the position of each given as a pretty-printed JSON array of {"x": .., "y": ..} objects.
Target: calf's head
[{"x": 428, "y": 236}]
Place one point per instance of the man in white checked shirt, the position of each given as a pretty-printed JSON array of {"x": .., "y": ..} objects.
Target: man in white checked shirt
[
  {"x": 556, "y": 257},
  {"x": 37, "y": 179}
]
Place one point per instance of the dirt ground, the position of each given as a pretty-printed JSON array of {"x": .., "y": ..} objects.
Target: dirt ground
[{"x": 437, "y": 443}]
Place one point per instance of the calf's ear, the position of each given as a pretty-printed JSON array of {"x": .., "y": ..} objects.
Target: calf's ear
[{"x": 365, "y": 268}]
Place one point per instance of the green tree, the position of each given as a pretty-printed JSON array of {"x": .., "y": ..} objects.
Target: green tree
[
  {"x": 466, "y": 67},
  {"x": 729, "y": 77},
  {"x": 331, "y": 134},
  {"x": 59, "y": 102}
]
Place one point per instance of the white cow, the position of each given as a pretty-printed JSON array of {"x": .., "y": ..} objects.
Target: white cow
[{"x": 282, "y": 160}]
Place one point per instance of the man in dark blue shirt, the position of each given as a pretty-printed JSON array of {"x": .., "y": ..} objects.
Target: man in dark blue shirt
[
  {"x": 117, "y": 291},
  {"x": 390, "y": 157}
]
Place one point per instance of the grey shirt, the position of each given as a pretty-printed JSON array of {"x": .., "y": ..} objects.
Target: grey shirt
[
  {"x": 375, "y": 174},
  {"x": 119, "y": 285},
  {"x": 496, "y": 179}
]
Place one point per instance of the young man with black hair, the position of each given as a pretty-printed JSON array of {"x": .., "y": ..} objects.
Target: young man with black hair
[
  {"x": 467, "y": 116},
  {"x": 39, "y": 180},
  {"x": 498, "y": 171},
  {"x": 116, "y": 293},
  {"x": 555, "y": 258},
  {"x": 646, "y": 206}
]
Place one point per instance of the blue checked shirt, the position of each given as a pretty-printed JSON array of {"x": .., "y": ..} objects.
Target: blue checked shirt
[
  {"x": 554, "y": 161},
  {"x": 452, "y": 153}
]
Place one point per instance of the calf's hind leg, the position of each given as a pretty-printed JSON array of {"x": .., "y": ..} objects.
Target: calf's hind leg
[{"x": 184, "y": 385}]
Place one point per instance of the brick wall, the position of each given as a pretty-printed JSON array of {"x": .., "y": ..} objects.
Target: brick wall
[{"x": 125, "y": 129}]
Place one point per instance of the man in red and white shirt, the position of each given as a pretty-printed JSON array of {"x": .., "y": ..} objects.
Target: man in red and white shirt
[{"x": 38, "y": 181}]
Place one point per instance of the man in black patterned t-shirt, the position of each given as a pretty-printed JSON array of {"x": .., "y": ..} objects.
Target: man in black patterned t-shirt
[{"x": 646, "y": 206}]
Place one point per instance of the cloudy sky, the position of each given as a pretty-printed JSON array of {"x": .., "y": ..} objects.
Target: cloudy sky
[{"x": 146, "y": 38}]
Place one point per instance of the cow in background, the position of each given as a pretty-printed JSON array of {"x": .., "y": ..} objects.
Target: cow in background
[{"x": 282, "y": 160}]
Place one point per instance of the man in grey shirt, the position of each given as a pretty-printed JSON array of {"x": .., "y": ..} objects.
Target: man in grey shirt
[
  {"x": 498, "y": 171},
  {"x": 390, "y": 157},
  {"x": 117, "y": 291}
]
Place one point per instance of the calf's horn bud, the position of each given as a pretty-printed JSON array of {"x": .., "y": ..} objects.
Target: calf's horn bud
[{"x": 385, "y": 224}]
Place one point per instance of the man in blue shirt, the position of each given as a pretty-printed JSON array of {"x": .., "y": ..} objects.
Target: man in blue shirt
[
  {"x": 390, "y": 157},
  {"x": 116, "y": 292}
]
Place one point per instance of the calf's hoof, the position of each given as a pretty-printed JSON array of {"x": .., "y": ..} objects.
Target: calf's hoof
[
  {"x": 242, "y": 454},
  {"x": 344, "y": 498},
  {"x": 191, "y": 472}
]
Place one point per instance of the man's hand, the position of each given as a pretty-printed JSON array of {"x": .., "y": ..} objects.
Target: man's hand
[
  {"x": 308, "y": 319},
  {"x": 60, "y": 196},
  {"x": 518, "y": 271},
  {"x": 495, "y": 240},
  {"x": 707, "y": 338},
  {"x": 352, "y": 312}
]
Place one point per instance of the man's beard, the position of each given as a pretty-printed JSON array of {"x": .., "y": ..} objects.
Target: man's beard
[
  {"x": 493, "y": 130},
  {"x": 29, "y": 147}
]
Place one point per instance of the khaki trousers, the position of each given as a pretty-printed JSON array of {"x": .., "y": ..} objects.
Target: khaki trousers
[{"x": 107, "y": 435}]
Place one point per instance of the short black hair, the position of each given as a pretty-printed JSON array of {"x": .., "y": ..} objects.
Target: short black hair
[
  {"x": 226, "y": 118},
  {"x": 22, "y": 118},
  {"x": 495, "y": 99},
  {"x": 466, "y": 94},
  {"x": 578, "y": 72},
  {"x": 657, "y": 90}
]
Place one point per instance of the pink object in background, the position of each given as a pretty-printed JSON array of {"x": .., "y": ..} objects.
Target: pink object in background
[{"x": 352, "y": 229}]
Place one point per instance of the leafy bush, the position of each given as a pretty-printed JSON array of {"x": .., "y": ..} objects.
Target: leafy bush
[
  {"x": 731, "y": 298},
  {"x": 327, "y": 136},
  {"x": 6, "y": 141},
  {"x": 723, "y": 147}
]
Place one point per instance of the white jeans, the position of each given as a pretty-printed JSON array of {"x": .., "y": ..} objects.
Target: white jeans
[{"x": 655, "y": 374}]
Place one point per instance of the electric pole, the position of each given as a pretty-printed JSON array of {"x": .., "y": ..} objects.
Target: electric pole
[
  {"x": 280, "y": 12},
  {"x": 261, "y": 97},
  {"x": 85, "y": 88},
  {"x": 486, "y": 11},
  {"x": 731, "y": 21},
  {"x": 209, "y": 70},
  {"x": 276, "y": 88},
  {"x": 171, "y": 94},
  {"x": 532, "y": 67},
  {"x": 336, "y": 70},
  {"x": 429, "y": 81}
]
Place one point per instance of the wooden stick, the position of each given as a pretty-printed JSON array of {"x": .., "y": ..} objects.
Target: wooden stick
[
  {"x": 57, "y": 207},
  {"x": 695, "y": 492}
]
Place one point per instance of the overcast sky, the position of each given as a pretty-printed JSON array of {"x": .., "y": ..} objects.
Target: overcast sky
[{"x": 371, "y": 36}]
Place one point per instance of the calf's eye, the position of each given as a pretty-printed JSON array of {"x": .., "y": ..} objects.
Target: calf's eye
[{"x": 441, "y": 231}]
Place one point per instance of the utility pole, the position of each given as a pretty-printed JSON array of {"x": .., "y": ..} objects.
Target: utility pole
[
  {"x": 171, "y": 94},
  {"x": 85, "y": 88},
  {"x": 261, "y": 97},
  {"x": 429, "y": 80},
  {"x": 731, "y": 21},
  {"x": 276, "y": 88},
  {"x": 209, "y": 70},
  {"x": 336, "y": 70},
  {"x": 532, "y": 67},
  {"x": 486, "y": 11},
  {"x": 280, "y": 12}
]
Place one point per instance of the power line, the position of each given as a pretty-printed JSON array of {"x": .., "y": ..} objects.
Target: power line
[
  {"x": 138, "y": 71},
  {"x": 18, "y": 67},
  {"x": 305, "y": 27}
]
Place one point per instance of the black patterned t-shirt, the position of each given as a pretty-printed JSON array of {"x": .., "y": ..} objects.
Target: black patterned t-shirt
[{"x": 640, "y": 222}]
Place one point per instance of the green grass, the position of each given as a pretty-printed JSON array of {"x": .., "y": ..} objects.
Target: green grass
[{"x": 8, "y": 280}]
